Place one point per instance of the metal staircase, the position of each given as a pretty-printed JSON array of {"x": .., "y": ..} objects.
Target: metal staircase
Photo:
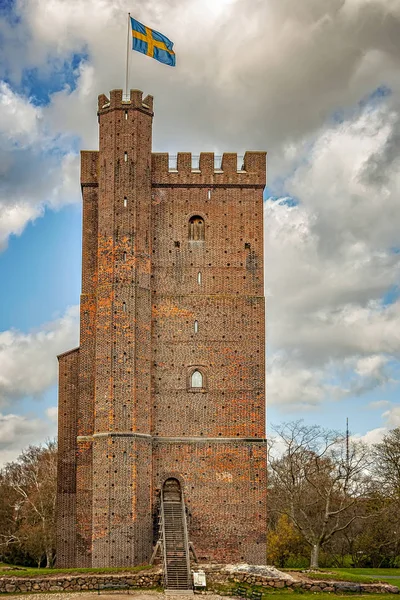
[{"x": 175, "y": 545}]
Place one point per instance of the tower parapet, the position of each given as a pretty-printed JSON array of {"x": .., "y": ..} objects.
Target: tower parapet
[
  {"x": 117, "y": 100},
  {"x": 253, "y": 173}
]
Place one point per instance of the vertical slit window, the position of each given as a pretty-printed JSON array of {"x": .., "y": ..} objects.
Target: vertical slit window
[
  {"x": 124, "y": 307},
  {"x": 125, "y": 156},
  {"x": 126, "y": 115},
  {"x": 209, "y": 194},
  {"x": 196, "y": 326},
  {"x": 124, "y": 257},
  {"x": 125, "y": 457},
  {"x": 125, "y": 202},
  {"x": 199, "y": 278}
]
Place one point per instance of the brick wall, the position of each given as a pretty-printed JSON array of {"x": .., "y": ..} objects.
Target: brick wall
[
  {"x": 66, "y": 481},
  {"x": 208, "y": 314},
  {"x": 224, "y": 484},
  {"x": 85, "y": 411}
]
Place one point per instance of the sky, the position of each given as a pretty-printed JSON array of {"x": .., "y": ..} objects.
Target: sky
[{"x": 316, "y": 83}]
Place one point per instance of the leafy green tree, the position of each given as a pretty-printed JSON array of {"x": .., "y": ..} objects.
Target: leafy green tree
[{"x": 285, "y": 545}]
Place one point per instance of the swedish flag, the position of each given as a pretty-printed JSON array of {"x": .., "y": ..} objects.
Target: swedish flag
[{"x": 151, "y": 42}]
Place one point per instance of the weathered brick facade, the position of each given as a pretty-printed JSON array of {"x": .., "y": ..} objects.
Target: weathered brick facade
[{"x": 169, "y": 376}]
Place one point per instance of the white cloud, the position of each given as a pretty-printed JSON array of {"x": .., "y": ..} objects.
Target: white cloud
[
  {"x": 329, "y": 262},
  {"x": 28, "y": 361},
  {"x": 374, "y": 436},
  {"x": 52, "y": 413},
  {"x": 293, "y": 387},
  {"x": 378, "y": 404},
  {"x": 13, "y": 219},
  {"x": 269, "y": 74},
  {"x": 18, "y": 432},
  {"x": 392, "y": 417},
  {"x": 20, "y": 121},
  {"x": 27, "y": 151}
]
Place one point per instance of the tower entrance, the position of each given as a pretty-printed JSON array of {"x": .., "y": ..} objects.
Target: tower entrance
[{"x": 172, "y": 490}]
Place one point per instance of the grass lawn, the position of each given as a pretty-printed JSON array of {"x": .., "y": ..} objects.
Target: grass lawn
[
  {"x": 271, "y": 593},
  {"x": 34, "y": 572},
  {"x": 378, "y": 574},
  {"x": 324, "y": 596},
  {"x": 372, "y": 571},
  {"x": 357, "y": 575}
]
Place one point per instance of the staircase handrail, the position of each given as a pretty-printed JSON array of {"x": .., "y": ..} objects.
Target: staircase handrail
[
  {"x": 164, "y": 545},
  {"x": 186, "y": 541}
]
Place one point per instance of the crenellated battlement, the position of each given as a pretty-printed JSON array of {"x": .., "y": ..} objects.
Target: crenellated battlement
[
  {"x": 252, "y": 174},
  {"x": 118, "y": 101}
]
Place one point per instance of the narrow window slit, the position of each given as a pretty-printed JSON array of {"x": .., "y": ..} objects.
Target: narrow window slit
[
  {"x": 125, "y": 156},
  {"x": 196, "y": 326},
  {"x": 125, "y": 202},
  {"x": 199, "y": 278}
]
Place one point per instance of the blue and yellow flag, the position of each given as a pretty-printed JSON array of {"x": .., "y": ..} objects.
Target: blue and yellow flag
[{"x": 151, "y": 42}]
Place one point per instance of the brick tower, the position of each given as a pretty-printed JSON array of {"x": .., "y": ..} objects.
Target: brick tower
[{"x": 168, "y": 380}]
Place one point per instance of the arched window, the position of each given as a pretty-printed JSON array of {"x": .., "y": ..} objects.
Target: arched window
[
  {"x": 196, "y": 229},
  {"x": 196, "y": 379}
]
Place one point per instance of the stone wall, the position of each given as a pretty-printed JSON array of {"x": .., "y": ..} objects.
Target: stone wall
[
  {"x": 216, "y": 576},
  {"x": 78, "y": 583},
  {"x": 220, "y": 576}
]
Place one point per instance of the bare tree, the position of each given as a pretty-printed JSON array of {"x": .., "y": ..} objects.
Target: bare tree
[
  {"x": 317, "y": 480},
  {"x": 31, "y": 513},
  {"x": 387, "y": 463}
]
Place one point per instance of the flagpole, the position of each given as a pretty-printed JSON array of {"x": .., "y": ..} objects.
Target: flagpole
[{"x": 127, "y": 56}]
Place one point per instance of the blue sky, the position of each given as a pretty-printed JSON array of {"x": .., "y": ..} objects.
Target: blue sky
[
  {"x": 42, "y": 270},
  {"x": 330, "y": 120}
]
